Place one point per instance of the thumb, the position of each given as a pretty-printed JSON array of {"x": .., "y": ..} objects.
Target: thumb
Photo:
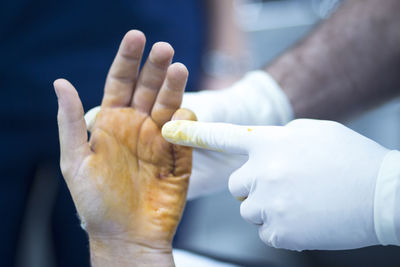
[
  {"x": 71, "y": 125},
  {"x": 222, "y": 137}
]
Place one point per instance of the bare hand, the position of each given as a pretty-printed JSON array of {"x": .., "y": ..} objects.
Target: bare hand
[{"x": 128, "y": 184}]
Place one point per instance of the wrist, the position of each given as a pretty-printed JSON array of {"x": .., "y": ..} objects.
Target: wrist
[
  {"x": 107, "y": 252},
  {"x": 386, "y": 200},
  {"x": 221, "y": 65}
]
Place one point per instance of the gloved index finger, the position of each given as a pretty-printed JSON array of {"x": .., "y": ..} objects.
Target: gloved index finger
[{"x": 222, "y": 137}]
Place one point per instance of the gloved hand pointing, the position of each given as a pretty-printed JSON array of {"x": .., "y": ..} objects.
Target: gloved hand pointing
[{"x": 307, "y": 185}]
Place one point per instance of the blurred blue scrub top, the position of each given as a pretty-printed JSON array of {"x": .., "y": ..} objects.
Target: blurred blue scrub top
[{"x": 41, "y": 41}]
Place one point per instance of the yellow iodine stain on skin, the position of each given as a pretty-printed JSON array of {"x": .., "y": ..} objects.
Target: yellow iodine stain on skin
[{"x": 140, "y": 182}]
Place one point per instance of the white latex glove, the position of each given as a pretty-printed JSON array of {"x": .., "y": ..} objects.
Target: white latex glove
[
  {"x": 256, "y": 99},
  {"x": 310, "y": 184}
]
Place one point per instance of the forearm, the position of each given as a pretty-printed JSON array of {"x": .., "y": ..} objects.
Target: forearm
[
  {"x": 121, "y": 254},
  {"x": 226, "y": 58},
  {"x": 224, "y": 33},
  {"x": 348, "y": 64}
]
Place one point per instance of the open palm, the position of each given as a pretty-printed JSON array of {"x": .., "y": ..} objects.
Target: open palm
[{"x": 127, "y": 182}]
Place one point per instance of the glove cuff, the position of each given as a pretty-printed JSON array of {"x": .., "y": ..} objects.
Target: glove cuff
[{"x": 387, "y": 197}]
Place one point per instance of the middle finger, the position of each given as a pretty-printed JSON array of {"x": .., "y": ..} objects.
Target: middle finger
[{"x": 152, "y": 76}]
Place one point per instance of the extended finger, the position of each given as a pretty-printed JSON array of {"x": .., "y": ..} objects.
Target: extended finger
[
  {"x": 169, "y": 97},
  {"x": 122, "y": 77},
  {"x": 152, "y": 76},
  {"x": 222, "y": 137},
  {"x": 72, "y": 128}
]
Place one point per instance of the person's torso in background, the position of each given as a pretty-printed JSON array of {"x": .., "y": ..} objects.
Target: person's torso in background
[{"x": 41, "y": 41}]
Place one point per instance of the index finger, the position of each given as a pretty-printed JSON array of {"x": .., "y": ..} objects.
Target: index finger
[{"x": 222, "y": 137}]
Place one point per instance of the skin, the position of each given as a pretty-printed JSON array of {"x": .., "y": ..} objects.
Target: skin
[
  {"x": 128, "y": 184},
  {"x": 348, "y": 64},
  {"x": 224, "y": 35}
]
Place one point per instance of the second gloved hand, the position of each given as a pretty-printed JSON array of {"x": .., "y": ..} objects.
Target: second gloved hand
[{"x": 308, "y": 185}]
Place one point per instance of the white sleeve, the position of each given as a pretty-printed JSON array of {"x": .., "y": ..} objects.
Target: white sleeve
[
  {"x": 184, "y": 258},
  {"x": 387, "y": 200}
]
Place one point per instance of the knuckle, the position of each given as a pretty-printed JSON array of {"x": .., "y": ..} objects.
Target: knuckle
[
  {"x": 286, "y": 240},
  {"x": 275, "y": 237},
  {"x": 268, "y": 235},
  {"x": 279, "y": 235},
  {"x": 279, "y": 239}
]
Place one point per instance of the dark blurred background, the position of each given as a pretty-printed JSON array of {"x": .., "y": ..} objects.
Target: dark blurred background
[{"x": 42, "y": 40}]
